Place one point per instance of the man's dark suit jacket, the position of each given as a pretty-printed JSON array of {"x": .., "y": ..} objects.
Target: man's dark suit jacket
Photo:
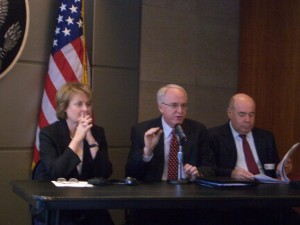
[
  {"x": 195, "y": 151},
  {"x": 58, "y": 160},
  {"x": 222, "y": 143}
]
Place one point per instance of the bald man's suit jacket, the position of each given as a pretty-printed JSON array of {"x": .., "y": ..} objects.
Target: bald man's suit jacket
[{"x": 222, "y": 143}]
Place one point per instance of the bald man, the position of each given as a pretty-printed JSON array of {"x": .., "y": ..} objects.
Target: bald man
[{"x": 227, "y": 143}]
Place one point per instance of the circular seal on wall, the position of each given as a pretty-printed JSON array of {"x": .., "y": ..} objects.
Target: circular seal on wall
[{"x": 14, "y": 23}]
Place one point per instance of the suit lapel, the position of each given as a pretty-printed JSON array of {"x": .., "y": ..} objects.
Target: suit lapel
[
  {"x": 160, "y": 145},
  {"x": 64, "y": 140},
  {"x": 258, "y": 144},
  {"x": 64, "y": 134},
  {"x": 228, "y": 140}
]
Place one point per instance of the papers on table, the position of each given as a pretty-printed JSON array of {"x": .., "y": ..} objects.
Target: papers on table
[
  {"x": 284, "y": 179},
  {"x": 285, "y": 158},
  {"x": 262, "y": 178},
  {"x": 72, "y": 184}
]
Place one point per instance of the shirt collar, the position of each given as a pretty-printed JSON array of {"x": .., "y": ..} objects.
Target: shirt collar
[
  {"x": 166, "y": 128},
  {"x": 236, "y": 134}
]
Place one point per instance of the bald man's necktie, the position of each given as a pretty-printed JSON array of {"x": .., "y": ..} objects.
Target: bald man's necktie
[
  {"x": 251, "y": 164},
  {"x": 173, "y": 158}
]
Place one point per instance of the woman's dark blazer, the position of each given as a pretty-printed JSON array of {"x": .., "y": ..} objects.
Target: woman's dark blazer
[{"x": 58, "y": 160}]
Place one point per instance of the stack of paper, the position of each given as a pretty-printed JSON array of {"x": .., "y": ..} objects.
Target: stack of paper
[{"x": 284, "y": 179}]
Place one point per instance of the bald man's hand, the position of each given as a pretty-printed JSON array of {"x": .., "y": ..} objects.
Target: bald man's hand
[{"x": 242, "y": 174}]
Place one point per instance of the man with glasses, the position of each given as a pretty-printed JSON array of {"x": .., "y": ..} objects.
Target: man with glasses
[
  {"x": 151, "y": 145},
  {"x": 149, "y": 153}
]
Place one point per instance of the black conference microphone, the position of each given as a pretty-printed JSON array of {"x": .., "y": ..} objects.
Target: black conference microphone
[{"x": 181, "y": 134}]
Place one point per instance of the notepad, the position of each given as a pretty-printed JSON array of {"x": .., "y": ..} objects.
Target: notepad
[{"x": 72, "y": 184}]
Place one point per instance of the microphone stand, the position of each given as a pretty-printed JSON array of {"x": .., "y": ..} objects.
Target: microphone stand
[{"x": 180, "y": 166}]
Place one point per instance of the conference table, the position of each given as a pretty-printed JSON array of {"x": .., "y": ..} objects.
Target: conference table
[{"x": 44, "y": 195}]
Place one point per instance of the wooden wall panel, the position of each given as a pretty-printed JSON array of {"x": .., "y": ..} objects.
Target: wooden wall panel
[{"x": 270, "y": 65}]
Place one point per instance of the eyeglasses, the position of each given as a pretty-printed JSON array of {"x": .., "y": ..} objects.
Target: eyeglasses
[
  {"x": 176, "y": 105},
  {"x": 65, "y": 181}
]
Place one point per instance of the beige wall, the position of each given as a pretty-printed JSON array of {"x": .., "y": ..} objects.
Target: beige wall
[{"x": 193, "y": 43}]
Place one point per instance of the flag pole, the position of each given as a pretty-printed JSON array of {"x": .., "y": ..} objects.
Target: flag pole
[{"x": 85, "y": 79}]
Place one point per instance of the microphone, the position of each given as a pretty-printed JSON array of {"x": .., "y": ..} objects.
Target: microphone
[{"x": 181, "y": 134}]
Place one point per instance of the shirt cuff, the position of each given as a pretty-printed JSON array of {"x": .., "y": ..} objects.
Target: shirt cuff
[{"x": 147, "y": 158}]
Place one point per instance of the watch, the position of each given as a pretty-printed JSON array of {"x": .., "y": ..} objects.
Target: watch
[{"x": 93, "y": 145}]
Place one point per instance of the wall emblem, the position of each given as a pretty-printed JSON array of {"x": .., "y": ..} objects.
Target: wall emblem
[{"x": 14, "y": 23}]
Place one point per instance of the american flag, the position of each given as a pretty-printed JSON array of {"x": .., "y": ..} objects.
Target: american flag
[{"x": 68, "y": 62}]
